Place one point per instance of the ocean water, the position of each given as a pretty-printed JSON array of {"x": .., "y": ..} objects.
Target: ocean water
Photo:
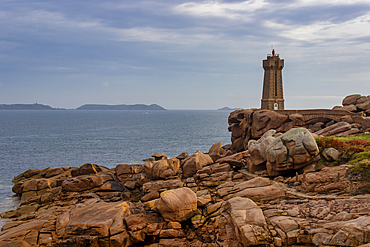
[{"x": 40, "y": 139}]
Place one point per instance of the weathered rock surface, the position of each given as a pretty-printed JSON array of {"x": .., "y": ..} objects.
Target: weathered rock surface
[
  {"x": 265, "y": 120},
  {"x": 177, "y": 205},
  {"x": 162, "y": 168},
  {"x": 208, "y": 199},
  {"x": 87, "y": 169},
  {"x": 94, "y": 218},
  {"x": 238, "y": 159},
  {"x": 159, "y": 156},
  {"x": 152, "y": 189},
  {"x": 248, "y": 218},
  {"x": 251, "y": 124},
  {"x": 257, "y": 149},
  {"x": 291, "y": 151},
  {"x": 334, "y": 129},
  {"x": 330, "y": 154},
  {"x": 221, "y": 204},
  {"x": 195, "y": 162},
  {"x": 216, "y": 151}
]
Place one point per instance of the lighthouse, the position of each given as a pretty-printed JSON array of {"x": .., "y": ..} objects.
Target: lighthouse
[{"x": 272, "y": 94}]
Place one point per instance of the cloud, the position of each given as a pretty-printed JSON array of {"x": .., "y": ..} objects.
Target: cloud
[
  {"x": 146, "y": 34},
  {"x": 264, "y": 20},
  {"x": 219, "y": 9},
  {"x": 325, "y": 3},
  {"x": 54, "y": 25},
  {"x": 323, "y": 31},
  {"x": 186, "y": 44}
]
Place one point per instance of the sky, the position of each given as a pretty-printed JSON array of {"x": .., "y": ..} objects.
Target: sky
[{"x": 181, "y": 54}]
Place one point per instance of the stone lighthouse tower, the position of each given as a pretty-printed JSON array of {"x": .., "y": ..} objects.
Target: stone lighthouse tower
[{"x": 272, "y": 95}]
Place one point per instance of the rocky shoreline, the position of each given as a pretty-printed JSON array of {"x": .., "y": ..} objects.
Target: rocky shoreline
[
  {"x": 221, "y": 205},
  {"x": 283, "y": 190}
]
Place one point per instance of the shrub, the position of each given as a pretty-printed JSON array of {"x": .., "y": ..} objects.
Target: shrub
[{"x": 346, "y": 148}]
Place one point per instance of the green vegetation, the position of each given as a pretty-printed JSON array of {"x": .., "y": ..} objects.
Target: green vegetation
[
  {"x": 354, "y": 150},
  {"x": 362, "y": 190},
  {"x": 352, "y": 137},
  {"x": 346, "y": 145},
  {"x": 360, "y": 171},
  {"x": 359, "y": 157}
]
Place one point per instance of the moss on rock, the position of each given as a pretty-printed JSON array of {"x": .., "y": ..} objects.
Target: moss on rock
[{"x": 360, "y": 171}]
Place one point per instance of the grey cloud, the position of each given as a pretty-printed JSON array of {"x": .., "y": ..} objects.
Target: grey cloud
[
  {"x": 148, "y": 42},
  {"x": 305, "y": 15}
]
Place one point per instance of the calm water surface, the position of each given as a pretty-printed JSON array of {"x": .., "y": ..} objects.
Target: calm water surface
[{"x": 40, "y": 139}]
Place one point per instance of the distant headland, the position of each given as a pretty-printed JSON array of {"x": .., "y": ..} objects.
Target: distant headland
[
  {"x": 37, "y": 106},
  {"x": 121, "y": 107},
  {"x": 228, "y": 109},
  {"x": 34, "y": 106}
]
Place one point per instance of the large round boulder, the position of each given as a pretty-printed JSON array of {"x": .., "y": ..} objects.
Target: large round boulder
[
  {"x": 177, "y": 204},
  {"x": 195, "y": 162},
  {"x": 364, "y": 106},
  {"x": 362, "y": 99},
  {"x": 293, "y": 150},
  {"x": 162, "y": 169},
  {"x": 351, "y": 99}
]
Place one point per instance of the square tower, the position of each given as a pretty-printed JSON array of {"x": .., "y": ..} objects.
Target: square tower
[{"x": 272, "y": 95}]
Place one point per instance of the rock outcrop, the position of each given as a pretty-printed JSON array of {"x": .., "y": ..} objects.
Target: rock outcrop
[
  {"x": 177, "y": 205},
  {"x": 191, "y": 164},
  {"x": 265, "y": 189},
  {"x": 250, "y": 124},
  {"x": 162, "y": 168},
  {"x": 339, "y": 129},
  {"x": 257, "y": 149},
  {"x": 250, "y": 222},
  {"x": 355, "y": 103},
  {"x": 291, "y": 151},
  {"x": 220, "y": 204}
]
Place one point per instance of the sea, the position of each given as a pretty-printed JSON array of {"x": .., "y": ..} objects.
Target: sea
[{"x": 55, "y": 138}]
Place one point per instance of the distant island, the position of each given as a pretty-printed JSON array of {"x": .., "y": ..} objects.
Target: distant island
[
  {"x": 34, "y": 106},
  {"x": 37, "y": 106},
  {"x": 121, "y": 107},
  {"x": 228, "y": 109}
]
